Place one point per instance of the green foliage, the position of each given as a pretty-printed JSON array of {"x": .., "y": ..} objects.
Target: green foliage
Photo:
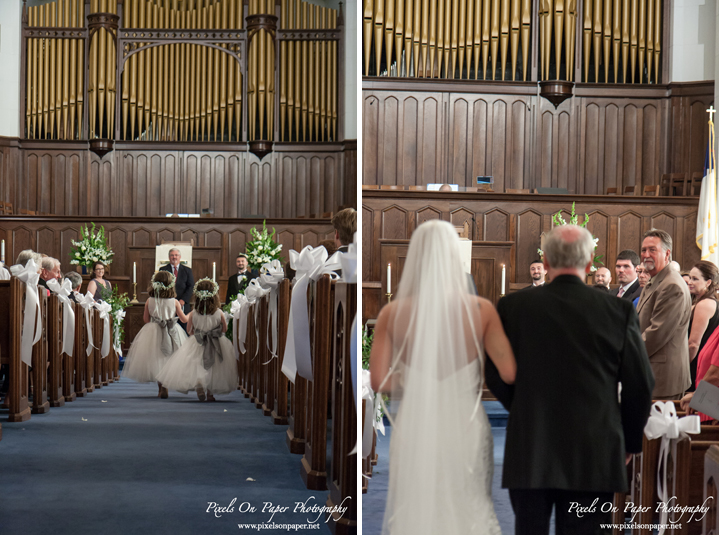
[
  {"x": 118, "y": 301},
  {"x": 228, "y": 308},
  {"x": 366, "y": 347},
  {"x": 263, "y": 248},
  {"x": 558, "y": 221},
  {"x": 91, "y": 248}
]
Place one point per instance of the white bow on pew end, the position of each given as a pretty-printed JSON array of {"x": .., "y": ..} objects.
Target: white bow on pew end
[
  {"x": 87, "y": 302},
  {"x": 68, "y": 314},
  {"x": 663, "y": 423},
  {"x": 309, "y": 264},
  {"x": 119, "y": 318},
  {"x": 32, "y": 322},
  {"x": 271, "y": 275},
  {"x": 255, "y": 292},
  {"x": 239, "y": 310},
  {"x": 105, "y": 309}
]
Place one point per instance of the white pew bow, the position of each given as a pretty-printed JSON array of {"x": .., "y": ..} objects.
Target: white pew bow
[
  {"x": 663, "y": 423},
  {"x": 87, "y": 302},
  {"x": 119, "y": 318},
  {"x": 271, "y": 275},
  {"x": 348, "y": 261},
  {"x": 239, "y": 310},
  {"x": 310, "y": 264},
  {"x": 255, "y": 292},
  {"x": 68, "y": 314},
  {"x": 105, "y": 309},
  {"x": 32, "y": 322}
]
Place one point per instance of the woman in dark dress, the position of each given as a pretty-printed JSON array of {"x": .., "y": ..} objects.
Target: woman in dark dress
[
  {"x": 97, "y": 282},
  {"x": 703, "y": 285}
]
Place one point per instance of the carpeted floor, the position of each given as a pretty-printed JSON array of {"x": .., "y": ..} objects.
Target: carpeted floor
[{"x": 122, "y": 461}]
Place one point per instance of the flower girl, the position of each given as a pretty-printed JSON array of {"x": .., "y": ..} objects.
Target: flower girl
[
  {"x": 206, "y": 363},
  {"x": 160, "y": 337}
]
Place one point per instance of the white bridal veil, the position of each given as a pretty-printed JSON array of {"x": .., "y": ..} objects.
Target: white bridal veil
[{"x": 441, "y": 457}]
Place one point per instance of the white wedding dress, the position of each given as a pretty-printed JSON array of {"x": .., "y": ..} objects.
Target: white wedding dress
[{"x": 441, "y": 448}]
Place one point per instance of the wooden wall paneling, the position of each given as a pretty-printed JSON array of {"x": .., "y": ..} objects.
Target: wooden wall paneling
[
  {"x": 348, "y": 170},
  {"x": 368, "y": 271},
  {"x": 690, "y": 253},
  {"x": 370, "y": 127}
]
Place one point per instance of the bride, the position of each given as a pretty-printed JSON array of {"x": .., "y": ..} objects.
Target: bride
[{"x": 428, "y": 353}]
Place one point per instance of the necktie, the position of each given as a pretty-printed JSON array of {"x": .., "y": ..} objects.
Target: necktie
[
  {"x": 174, "y": 268},
  {"x": 621, "y": 292}
]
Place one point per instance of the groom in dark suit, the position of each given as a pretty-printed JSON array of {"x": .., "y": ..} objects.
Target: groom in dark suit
[
  {"x": 626, "y": 271},
  {"x": 184, "y": 281},
  {"x": 238, "y": 283},
  {"x": 568, "y": 435}
]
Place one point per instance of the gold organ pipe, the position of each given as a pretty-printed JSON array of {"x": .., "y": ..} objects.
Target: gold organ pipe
[
  {"x": 642, "y": 36},
  {"x": 111, "y": 76},
  {"x": 58, "y": 72},
  {"x": 650, "y": 39},
  {"x": 446, "y": 44},
  {"x": 232, "y": 63},
  {"x": 570, "y": 29},
  {"x": 125, "y": 99},
  {"x": 548, "y": 24},
  {"x": 504, "y": 37},
  {"x": 388, "y": 31},
  {"x": 324, "y": 73},
  {"x": 66, "y": 73},
  {"x": 42, "y": 44},
  {"x": 526, "y": 26},
  {"x": 416, "y": 38},
  {"x": 311, "y": 77},
  {"x": 542, "y": 30},
  {"x": 634, "y": 37},
  {"x": 432, "y": 33},
  {"x": 51, "y": 92},
  {"x": 468, "y": 39},
  {"x": 204, "y": 78},
  {"x": 304, "y": 76},
  {"x": 378, "y": 31},
  {"x": 194, "y": 88},
  {"x": 142, "y": 76},
  {"x": 657, "y": 36},
  {"x": 625, "y": 39},
  {"x": 486, "y": 35},
  {"x": 30, "y": 116},
  {"x": 408, "y": 27},
  {"x": 290, "y": 72},
  {"x": 587, "y": 36},
  {"x": 454, "y": 38},
  {"x": 477, "y": 38},
  {"x": 149, "y": 67},
  {"x": 368, "y": 16},
  {"x": 607, "y": 37},
  {"x": 333, "y": 77},
  {"x": 80, "y": 72},
  {"x": 617, "y": 37},
  {"x": 495, "y": 35},
  {"x": 317, "y": 77},
  {"x": 156, "y": 58},
  {"x": 215, "y": 79},
  {"x": 180, "y": 118},
  {"x": 424, "y": 35},
  {"x": 132, "y": 62},
  {"x": 101, "y": 50},
  {"x": 223, "y": 75},
  {"x": 439, "y": 45},
  {"x": 597, "y": 38},
  {"x": 514, "y": 35},
  {"x": 559, "y": 16}
]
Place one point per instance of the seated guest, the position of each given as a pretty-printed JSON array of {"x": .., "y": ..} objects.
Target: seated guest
[
  {"x": 537, "y": 273},
  {"x": 686, "y": 277},
  {"x": 47, "y": 272},
  {"x": 238, "y": 283},
  {"x": 345, "y": 224},
  {"x": 643, "y": 278},
  {"x": 626, "y": 271},
  {"x": 603, "y": 276},
  {"x": 601, "y": 288},
  {"x": 329, "y": 245},
  {"x": 703, "y": 284},
  {"x": 675, "y": 266},
  {"x": 76, "y": 281},
  {"x": 4, "y": 274},
  {"x": 97, "y": 283},
  {"x": 24, "y": 256},
  {"x": 707, "y": 370}
]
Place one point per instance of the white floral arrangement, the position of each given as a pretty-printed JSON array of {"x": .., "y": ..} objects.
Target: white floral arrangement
[
  {"x": 205, "y": 294},
  {"x": 263, "y": 249},
  {"x": 558, "y": 221},
  {"x": 91, "y": 248}
]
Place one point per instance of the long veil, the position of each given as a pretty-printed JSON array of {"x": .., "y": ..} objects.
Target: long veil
[{"x": 441, "y": 457}]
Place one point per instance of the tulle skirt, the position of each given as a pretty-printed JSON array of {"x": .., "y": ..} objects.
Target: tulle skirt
[
  {"x": 184, "y": 371},
  {"x": 145, "y": 358}
]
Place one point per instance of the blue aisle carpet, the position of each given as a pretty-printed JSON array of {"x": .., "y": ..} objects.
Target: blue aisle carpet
[{"x": 122, "y": 461}]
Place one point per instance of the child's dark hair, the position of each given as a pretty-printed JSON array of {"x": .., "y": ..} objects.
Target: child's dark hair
[
  {"x": 164, "y": 278},
  {"x": 205, "y": 305}
]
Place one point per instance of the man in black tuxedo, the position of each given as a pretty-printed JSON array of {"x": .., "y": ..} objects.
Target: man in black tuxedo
[
  {"x": 239, "y": 283},
  {"x": 626, "y": 271},
  {"x": 184, "y": 281},
  {"x": 568, "y": 435}
]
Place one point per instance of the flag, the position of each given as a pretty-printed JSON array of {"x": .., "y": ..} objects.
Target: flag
[{"x": 707, "y": 231}]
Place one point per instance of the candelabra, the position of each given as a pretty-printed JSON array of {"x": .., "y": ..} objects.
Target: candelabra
[{"x": 134, "y": 292}]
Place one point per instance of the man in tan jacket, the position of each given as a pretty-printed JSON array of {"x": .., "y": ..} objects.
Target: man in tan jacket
[{"x": 664, "y": 310}]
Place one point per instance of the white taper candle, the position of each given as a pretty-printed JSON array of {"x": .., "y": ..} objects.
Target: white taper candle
[{"x": 389, "y": 278}]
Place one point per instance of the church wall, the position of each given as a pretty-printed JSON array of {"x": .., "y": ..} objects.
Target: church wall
[
  {"x": 693, "y": 40},
  {"x": 10, "y": 12}
]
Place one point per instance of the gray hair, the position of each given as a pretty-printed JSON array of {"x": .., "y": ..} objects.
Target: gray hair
[
  {"x": 664, "y": 238},
  {"x": 48, "y": 263},
  {"x": 74, "y": 278},
  {"x": 568, "y": 246},
  {"x": 173, "y": 249},
  {"x": 37, "y": 258},
  {"x": 24, "y": 256}
]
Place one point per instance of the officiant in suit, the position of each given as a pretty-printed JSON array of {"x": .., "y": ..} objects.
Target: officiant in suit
[
  {"x": 238, "y": 283},
  {"x": 568, "y": 436},
  {"x": 184, "y": 281},
  {"x": 625, "y": 269}
]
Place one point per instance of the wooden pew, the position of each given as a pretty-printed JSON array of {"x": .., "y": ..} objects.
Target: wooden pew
[
  {"x": 366, "y": 465},
  {"x": 280, "y": 409},
  {"x": 262, "y": 356},
  {"x": 68, "y": 362},
  {"x": 54, "y": 341},
  {"x": 80, "y": 355},
  {"x": 710, "y": 523},
  {"x": 314, "y": 460},
  {"x": 297, "y": 415},
  {"x": 40, "y": 403},
  {"x": 5, "y": 337},
  {"x": 343, "y": 468},
  {"x": 94, "y": 371},
  {"x": 269, "y": 363}
]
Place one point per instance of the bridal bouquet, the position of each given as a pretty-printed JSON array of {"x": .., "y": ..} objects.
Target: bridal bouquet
[
  {"x": 263, "y": 249},
  {"x": 558, "y": 221},
  {"x": 91, "y": 248}
]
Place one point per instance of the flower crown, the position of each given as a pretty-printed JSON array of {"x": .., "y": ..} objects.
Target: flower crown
[
  {"x": 205, "y": 294},
  {"x": 158, "y": 286}
]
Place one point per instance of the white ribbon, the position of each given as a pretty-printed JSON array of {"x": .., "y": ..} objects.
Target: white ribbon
[
  {"x": 663, "y": 422},
  {"x": 255, "y": 292},
  {"x": 119, "y": 318},
  {"x": 271, "y": 275},
  {"x": 348, "y": 261},
  {"x": 105, "y": 309},
  {"x": 239, "y": 310},
  {"x": 32, "y": 322},
  {"x": 310, "y": 264},
  {"x": 68, "y": 314},
  {"x": 87, "y": 302}
]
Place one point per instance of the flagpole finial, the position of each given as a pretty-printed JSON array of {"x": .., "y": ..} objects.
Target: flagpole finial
[{"x": 711, "y": 111}]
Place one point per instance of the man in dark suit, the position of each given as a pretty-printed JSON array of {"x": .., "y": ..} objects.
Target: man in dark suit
[
  {"x": 568, "y": 435},
  {"x": 238, "y": 283},
  {"x": 184, "y": 281},
  {"x": 626, "y": 271},
  {"x": 537, "y": 272}
]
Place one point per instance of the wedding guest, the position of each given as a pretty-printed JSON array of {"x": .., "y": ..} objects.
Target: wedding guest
[
  {"x": 184, "y": 280},
  {"x": 603, "y": 276},
  {"x": 567, "y": 437},
  {"x": 707, "y": 370},
  {"x": 686, "y": 277},
  {"x": 703, "y": 284},
  {"x": 664, "y": 310},
  {"x": 643, "y": 278},
  {"x": 26, "y": 255},
  {"x": 329, "y": 245},
  {"x": 76, "y": 280},
  {"x": 49, "y": 269},
  {"x": 345, "y": 224},
  {"x": 537, "y": 273},
  {"x": 238, "y": 283},
  {"x": 601, "y": 288},
  {"x": 625, "y": 269},
  {"x": 95, "y": 285},
  {"x": 675, "y": 266}
]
